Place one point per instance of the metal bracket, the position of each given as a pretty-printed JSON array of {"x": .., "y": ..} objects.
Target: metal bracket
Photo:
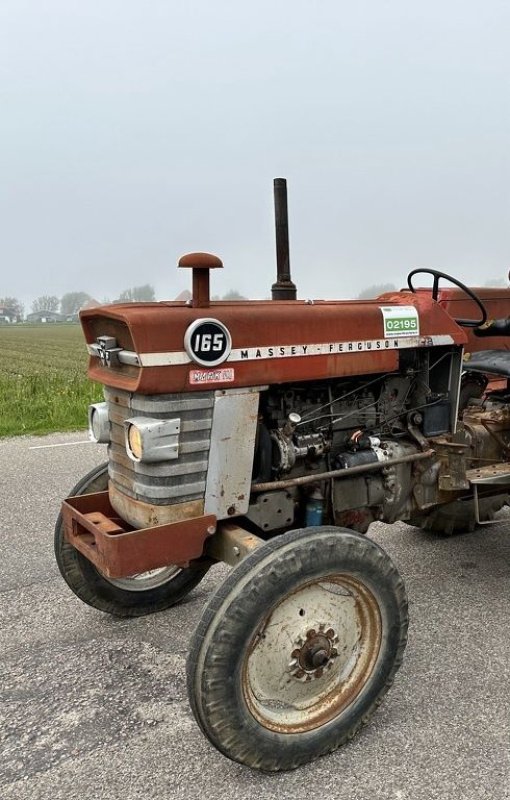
[
  {"x": 491, "y": 475},
  {"x": 477, "y": 509},
  {"x": 231, "y": 543}
]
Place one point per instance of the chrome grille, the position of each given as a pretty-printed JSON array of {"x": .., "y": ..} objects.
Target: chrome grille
[{"x": 166, "y": 482}]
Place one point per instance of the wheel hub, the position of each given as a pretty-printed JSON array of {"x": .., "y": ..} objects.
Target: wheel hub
[{"x": 313, "y": 653}]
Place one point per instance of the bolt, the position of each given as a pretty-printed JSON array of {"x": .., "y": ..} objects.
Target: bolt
[
  {"x": 236, "y": 550},
  {"x": 319, "y": 658},
  {"x": 231, "y": 510}
]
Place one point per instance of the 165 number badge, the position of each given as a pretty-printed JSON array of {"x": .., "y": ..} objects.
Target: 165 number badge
[{"x": 207, "y": 342}]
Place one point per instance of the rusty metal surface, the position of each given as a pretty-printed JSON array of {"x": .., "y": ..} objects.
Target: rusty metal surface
[
  {"x": 488, "y": 430},
  {"x": 231, "y": 543},
  {"x": 492, "y": 473},
  {"x": 92, "y": 526},
  {"x": 453, "y": 464},
  {"x": 145, "y": 515},
  {"x": 234, "y": 427},
  {"x": 311, "y": 694},
  {"x": 200, "y": 261},
  {"x": 496, "y": 301},
  {"x": 156, "y": 328}
]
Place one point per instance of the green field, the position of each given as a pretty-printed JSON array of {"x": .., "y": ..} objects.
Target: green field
[{"x": 43, "y": 379}]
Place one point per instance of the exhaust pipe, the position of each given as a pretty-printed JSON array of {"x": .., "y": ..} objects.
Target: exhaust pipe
[{"x": 283, "y": 289}]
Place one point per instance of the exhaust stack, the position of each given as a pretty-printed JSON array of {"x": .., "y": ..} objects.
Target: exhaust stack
[{"x": 283, "y": 289}]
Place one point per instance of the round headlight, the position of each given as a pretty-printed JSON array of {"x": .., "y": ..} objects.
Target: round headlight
[
  {"x": 99, "y": 425},
  {"x": 134, "y": 440}
]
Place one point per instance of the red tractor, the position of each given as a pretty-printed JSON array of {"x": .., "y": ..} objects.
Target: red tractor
[{"x": 269, "y": 435}]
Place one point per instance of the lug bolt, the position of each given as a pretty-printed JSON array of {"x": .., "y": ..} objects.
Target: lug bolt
[{"x": 319, "y": 658}]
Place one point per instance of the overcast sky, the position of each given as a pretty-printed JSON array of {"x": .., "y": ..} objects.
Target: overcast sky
[{"x": 133, "y": 132}]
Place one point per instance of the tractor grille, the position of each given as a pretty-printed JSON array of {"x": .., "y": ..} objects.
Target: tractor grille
[{"x": 166, "y": 482}]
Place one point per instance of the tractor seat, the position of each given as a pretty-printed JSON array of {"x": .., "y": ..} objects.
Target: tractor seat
[{"x": 490, "y": 362}]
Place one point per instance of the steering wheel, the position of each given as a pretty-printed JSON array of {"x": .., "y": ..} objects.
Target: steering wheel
[{"x": 464, "y": 323}]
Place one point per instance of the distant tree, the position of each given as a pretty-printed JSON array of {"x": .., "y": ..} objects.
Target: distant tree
[
  {"x": 47, "y": 302},
  {"x": 233, "y": 295},
  {"x": 495, "y": 282},
  {"x": 14, "y": 305},
  {"x": 137, "y": 294},
  {"x": 72, "y": 302},
  {"x": 374, "y": 291}
]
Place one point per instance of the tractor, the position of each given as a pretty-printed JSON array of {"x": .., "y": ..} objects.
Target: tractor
[{"x": 270, "y": 435}]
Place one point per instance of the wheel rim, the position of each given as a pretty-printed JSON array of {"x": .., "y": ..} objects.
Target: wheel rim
[
  {"x": 143, "y": 581},
  {"x": 312, "y": 655}
]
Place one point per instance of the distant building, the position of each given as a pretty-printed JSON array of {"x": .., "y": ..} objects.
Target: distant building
[{"x": 45, "y": 316}]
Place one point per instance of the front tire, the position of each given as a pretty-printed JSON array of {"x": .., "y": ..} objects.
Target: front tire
[
  {"x": 134, "y": 596},
  {"x": 297, "y": 648}
]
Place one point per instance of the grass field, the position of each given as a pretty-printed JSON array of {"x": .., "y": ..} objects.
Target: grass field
[{"x": 43, "y": 379}]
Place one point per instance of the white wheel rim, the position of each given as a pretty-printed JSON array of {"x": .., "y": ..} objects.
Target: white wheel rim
[
  {"x": 313, "y": 654},
  {"x": 144, "y": 581}
]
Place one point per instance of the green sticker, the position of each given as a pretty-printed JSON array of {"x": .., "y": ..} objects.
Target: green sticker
[{"x": 400, "y": 321}]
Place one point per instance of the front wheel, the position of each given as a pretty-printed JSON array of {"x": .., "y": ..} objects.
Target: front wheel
[
  {"x": 134, "y": 596},
  {"x": 297, "y": 648}
]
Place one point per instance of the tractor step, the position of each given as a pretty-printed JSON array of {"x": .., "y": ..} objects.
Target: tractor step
[
  {"x": 492, "y": 474},
  {"x": 486, "y": 476}
]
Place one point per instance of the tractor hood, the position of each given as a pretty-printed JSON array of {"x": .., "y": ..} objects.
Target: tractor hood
[{"x": 156, "y": 348}]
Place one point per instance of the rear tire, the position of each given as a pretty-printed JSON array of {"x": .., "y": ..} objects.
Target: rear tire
[
  {"x": 297, "y": 648},
  {"x": 459, "y": 516},
  {"x": 125, "y": 597}
]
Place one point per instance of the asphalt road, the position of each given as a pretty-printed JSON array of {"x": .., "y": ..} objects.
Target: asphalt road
[{"x": 94, "y": 707}]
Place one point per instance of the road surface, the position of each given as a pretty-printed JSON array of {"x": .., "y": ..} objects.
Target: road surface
[{"x": 95, "y": 707}]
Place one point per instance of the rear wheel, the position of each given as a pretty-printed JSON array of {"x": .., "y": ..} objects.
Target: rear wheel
[
  {"x": 459, "y": 516},
  {"x": 297, "y": 648},
  {"x": 134, "y": 596}
]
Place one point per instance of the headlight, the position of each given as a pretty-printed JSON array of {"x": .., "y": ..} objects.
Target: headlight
[
  {"x": 99, "y": 424},
  {"x": 134, "y": 442},
  {"x": 152, "y": 439}
]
